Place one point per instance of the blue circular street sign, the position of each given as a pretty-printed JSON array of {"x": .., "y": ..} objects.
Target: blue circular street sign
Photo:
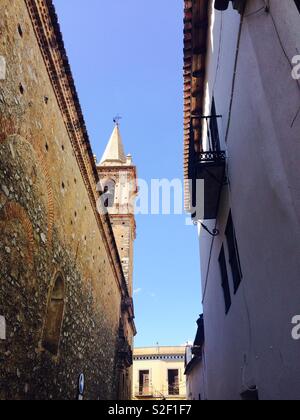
[{"x": 81, "y": 384}]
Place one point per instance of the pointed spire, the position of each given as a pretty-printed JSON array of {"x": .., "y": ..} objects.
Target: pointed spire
[{"x": 114, "y": 152}]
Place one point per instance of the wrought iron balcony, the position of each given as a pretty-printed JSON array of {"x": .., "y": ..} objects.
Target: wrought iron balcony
[
  {"x": 173, "y": 390},
  {"x": 168, "y": 392},
  {"x": 145, "y": 391},
  {"x": 211, "y": 168},
  {"x": 212, "y": 156}
]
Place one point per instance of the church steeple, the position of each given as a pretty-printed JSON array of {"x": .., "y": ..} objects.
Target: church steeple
[
  {"x": 114, "y": 152},
  {"x": 118, "y": 176}
]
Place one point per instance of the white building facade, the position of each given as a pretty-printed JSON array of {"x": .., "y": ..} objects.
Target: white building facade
[{"x": 242, "y": 105}]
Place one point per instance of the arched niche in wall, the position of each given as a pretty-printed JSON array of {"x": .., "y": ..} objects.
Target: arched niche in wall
[
  {"x": 23, "y": 158},
  {"x": 54, "y": 316}
]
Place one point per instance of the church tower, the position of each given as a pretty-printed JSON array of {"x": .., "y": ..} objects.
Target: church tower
[{"x": 119, "y": 183}]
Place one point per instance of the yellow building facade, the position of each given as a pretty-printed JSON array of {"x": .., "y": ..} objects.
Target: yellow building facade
[{"x": 158, "y": 373}]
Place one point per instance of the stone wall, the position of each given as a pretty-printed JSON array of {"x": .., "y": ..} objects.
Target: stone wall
[
  {"x": 123, "y": 227},
  {"x": 49, "y": 225}
]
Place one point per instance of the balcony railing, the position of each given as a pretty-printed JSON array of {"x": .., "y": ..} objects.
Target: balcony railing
[
  {"x": 150, "y": 392},
  {"x": 210, "y": 166},
  {"x": 174, "y": 390},
  {"x": 214, "y": 157},
  {"x": 144, "y": 391}
]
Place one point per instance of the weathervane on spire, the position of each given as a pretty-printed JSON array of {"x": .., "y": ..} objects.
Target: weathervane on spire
[{"x": 117, "y": 120}]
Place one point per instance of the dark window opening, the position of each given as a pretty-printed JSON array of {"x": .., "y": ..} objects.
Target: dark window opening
[
  {"x": 109, "y": 191},
  {"x": 225, "y": 282},
  {"x": 221, "y": 5},
  {"x": 144, "y": 382},
  {"x": 54, "y": 317},
  {"x": 297, "y": 2},
  {"x": 234, "y": 257},
  {"x": 20, "y": 30},
  {"x": 173, "y": 381},
  {"x": 21, "y": 88}
]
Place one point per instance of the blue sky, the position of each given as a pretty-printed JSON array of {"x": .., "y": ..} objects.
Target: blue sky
[{"x": 126, "y": 58}]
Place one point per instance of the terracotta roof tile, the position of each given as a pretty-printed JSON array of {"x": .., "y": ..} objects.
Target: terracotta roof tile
[{"x": 195, "y": 48}]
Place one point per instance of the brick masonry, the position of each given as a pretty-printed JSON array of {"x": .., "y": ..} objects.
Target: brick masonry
[{"x": 49, "y": 224}]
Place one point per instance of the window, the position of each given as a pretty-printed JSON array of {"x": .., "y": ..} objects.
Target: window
[
  {"x": 225, "y": 282},
  {"x": 298, "y": 4},
  {"x": 109, "y": 194},
  {"x": 144, "y": 382},
  {"x": 54, "y": 317},
  {"x": 173, "y": 381},
  {"x": 234, "y": 257}
]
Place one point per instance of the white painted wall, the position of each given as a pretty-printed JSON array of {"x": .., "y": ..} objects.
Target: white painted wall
[
  {"x": 194, "y": 384},
  {"x": 195, "y": 381},
  {"x": 252, "y": 345}
]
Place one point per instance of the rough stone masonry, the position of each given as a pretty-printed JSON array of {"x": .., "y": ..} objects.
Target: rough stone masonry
[{"x": 62, "y": 288}]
